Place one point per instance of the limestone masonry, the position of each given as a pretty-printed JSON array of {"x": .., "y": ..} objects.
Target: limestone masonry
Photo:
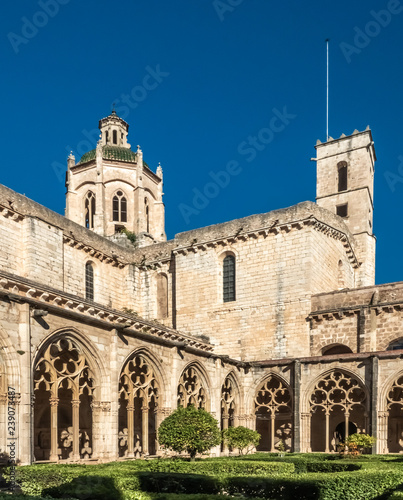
[{"x": 272, "y": 321}]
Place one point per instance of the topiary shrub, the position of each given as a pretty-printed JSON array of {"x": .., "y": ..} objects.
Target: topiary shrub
[{"x": 189, "y": 429}]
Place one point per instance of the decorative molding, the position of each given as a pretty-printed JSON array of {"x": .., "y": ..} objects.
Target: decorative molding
[
  {"x": 285, "y": 227},
  {"x": 66, "y": 302}
]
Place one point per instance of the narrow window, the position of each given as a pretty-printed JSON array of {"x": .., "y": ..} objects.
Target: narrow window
[
  {"x": 89, "y": 210},
  {"x": 106, "y": 137},
  {"x": 229, "y": 278},
  {"x": 342, "y": 176},
  {"x": 119, "y": 207},
  {"x": 115, "y": 137},
  {"x": 89, "y": 281},
  {"x": 123, "y": 209},
  {"x": 342, "y": 210},
  {"x": 162, "y": 296},
  {"x": 147, "y": 212}
]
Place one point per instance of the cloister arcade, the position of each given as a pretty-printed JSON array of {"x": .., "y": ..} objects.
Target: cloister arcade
[
  {"x": 273, "y": 408},
  {"x": 338, "y": 406},
  {"x": 66, "y": 384}
]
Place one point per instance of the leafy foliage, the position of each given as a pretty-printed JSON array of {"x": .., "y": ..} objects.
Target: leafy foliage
[
  {"x": 189, "y": 429},
  {"x": 262, "y": 475},
  {"x": 132, "y": 237},
  {"x": 242, "y": 438},
  {"x": 357, "y": 443}
]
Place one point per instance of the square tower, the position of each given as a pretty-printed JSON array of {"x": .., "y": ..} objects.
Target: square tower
[{"x": 345, "y": 186}]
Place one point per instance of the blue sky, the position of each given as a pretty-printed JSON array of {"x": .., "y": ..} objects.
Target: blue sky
[{"x": 219, "y": 72}]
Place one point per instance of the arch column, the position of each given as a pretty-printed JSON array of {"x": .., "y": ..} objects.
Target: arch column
[
  {"x": 382, "y": 444},
  {"x": 224, "y": 419},
  {"x": 54, "y": 445},
  {"x": 130, "y": 430},
  {"x": 271, "y": 431},
  {"x": 75, "y": 403},
  {"x": 327, "y": 430},
  {"x": 144, "y": 429},
  {"x": 306, "y": 432}
]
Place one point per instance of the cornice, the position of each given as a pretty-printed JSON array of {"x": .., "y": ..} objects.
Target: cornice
[
  {"x": 275, "y": 228},
  {"x": 19, "y": 289}
]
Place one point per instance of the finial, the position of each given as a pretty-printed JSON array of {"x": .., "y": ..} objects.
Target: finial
[
  {"x": 113, "y": 108},
  {"x": 71, "y": 156}
]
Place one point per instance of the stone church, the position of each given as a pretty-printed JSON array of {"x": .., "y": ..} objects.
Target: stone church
[{"x": 272, "y": 321}]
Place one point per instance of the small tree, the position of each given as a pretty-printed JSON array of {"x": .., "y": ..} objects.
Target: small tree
[
  {"x": 355, "y": 444},
  {"x": 242, "y": 438},
  {"x": 189, "y": 429}
]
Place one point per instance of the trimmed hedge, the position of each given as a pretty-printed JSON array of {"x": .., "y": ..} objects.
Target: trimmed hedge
[
  {"x": 363, "y": 485},
  {"x": 167, "y": 479},
  {"x": 332, "y": 467},
  {"x": 239, "y": 467},
  {"x": 86, "y": 488}
]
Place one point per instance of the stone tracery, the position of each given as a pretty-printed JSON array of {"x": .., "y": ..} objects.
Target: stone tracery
[
  {"x": 342, "y": 400},
  {"x": 273, "y": 406},
  {"x": 139, "y": 395},
  {"x": 64, "y": 387},
  {"x": 394, "y": 416},
  {"x": 191, "y": 390}
]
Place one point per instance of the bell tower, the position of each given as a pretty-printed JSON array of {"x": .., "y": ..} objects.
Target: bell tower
[
  {"x": 345, "y": 186},
  {"x": 112, "y": 189}
]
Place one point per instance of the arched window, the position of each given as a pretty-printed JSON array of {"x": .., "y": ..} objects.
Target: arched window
[
  {"x": 119, "y": 207},
  {"x": 336, "y": 349},
  {"x": 342, "y": 176},
  {"x": 147, "y": 213},
  {"x": 106, "y": 137},
  {"x": 89, "y": 210},
  {"x": 115, "y": 137},
  {"x": 89, "y": 281},
  {"x": 229, "y": 278},
  {"x": 396, "y": 345},
  {"x": 138, "y": 397}
]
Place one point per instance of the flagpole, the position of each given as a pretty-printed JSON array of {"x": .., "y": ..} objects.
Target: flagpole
[{"x": 327, "y": 89}]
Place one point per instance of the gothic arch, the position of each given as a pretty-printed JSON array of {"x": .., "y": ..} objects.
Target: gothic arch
[
  {"x": 90, "y": 185},
  {"x": 66, "y": 383},
  {"x": 89, "y": 349},
  {"x": 335, "y": 348},
  {"x": 389, "y": 339},
  {"x": 230, "y": 403},
  {"x": 120, "y": 182},
  {"x": 9, "y": 376},
  {"x": 194, "y": 387},
  {"x": 335, "y": 405},
  {"x": 335, "y": 340},
  {"x": 273, "y": 406},
  {"x": 140, "y": 385},
  {"x": 10, "y": 360},
  {"x": 390, "y": 415},
  {"x": 149, "y": 194},
  {"x": 157, "y": 366}
]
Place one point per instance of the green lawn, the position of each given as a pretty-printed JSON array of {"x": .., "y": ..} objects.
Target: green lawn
[{"x": 262, "y": 475}]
